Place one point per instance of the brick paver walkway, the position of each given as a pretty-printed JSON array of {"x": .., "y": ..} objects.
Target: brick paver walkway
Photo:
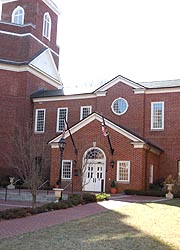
[{"x": 10, "y": 228}]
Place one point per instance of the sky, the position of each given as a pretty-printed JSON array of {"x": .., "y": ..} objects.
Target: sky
[{"x": 100, "y": 39}]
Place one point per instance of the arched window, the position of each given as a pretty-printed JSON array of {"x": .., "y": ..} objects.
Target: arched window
[
  {"x": 18, "y": 15},
  {"x": 47, "y": 26},
  {"x": 94, "y": 153}
]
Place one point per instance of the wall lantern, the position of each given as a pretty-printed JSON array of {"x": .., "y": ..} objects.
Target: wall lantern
[{"x": 112, "y": 164}]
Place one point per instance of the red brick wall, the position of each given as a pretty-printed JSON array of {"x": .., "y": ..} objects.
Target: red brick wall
[
  {"x": 124, "y": 150},
  {"x": 34, "y": 12}
]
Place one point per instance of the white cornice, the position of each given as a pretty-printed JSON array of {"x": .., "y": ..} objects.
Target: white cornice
[
  {"x": 114, "y": 81},
  {"x": 39, "y": 74},
  {"x": 7, "y": 1},
  {"x": 52, "y": 6},
  {"x": 91, "y": 118},
  {"x": 63, "y": 98},
  {"x": 28, "y": 34},
  {"x": 157, "y": 91}
]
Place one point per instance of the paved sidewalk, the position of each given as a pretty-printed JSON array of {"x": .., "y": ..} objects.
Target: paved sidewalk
[{"x": 10, "y": 228}]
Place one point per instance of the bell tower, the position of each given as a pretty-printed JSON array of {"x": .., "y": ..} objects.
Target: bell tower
[{"x": 29, "y": 59}]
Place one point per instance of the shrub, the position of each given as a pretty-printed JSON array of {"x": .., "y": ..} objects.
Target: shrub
[{"x": 159, "y": 193}]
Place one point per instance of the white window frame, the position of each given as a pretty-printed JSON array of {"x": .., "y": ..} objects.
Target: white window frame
[
  {"x": 115, "y": 111},
  {"x": 152, "y": 116},
  {"x": 118, "y": 172},
  {"x": 36, "y": 121},
  {"x": 47, "y": 26},
  {"x": 81, "y": 111},
  {"x": 62, "y": 174},
  {"x": 58, "y": 113},
  {"x": 151, "y": 174},
  {"x": 18, "y": 16}
]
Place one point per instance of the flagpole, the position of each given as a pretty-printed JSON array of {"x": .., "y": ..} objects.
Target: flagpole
[
  {"x": 75, "y": 149},
  {"x": 108, "y": 137}
]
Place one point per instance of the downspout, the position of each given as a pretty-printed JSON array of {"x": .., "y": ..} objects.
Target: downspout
[{"x": 146, "y": 168}]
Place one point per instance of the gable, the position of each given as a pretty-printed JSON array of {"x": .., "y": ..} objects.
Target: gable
[
  {"x": 44, "y": 62},
  {"x": 136, "y": 141},
  {"x": 116, "y": 80}
]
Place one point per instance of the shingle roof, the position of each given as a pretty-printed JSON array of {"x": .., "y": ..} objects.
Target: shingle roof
[
  {"x": 161, "y": 84},
  {"x": 47, "y": 93}
]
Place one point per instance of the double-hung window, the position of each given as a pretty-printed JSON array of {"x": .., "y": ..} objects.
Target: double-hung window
[
  {"x": 66, "y": 169},
  {"x": 47, "y": 26},
  {"x": 157, "y": 115},
  {"x": 123, "y": 171},
  {"x": 40, "y": 120},
  {"x": 18, "y": 15},
  {"x": 85, "y": 111},
  {"x": 62, "y": 113}
]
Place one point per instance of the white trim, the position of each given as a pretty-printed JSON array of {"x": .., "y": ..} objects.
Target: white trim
[
  {"x": 157, "y": 91},
  {"x": 152, "y": 116},
  {"x": 62, "y": 98},
  {"x": 52, "y": 6},
  {"x": 97, "y": 117},
  {"x": 116, "y": 80},
  {"x": 112, "y": 106},
  {"x": 129, "y": 169},
  {"x": 57, "y": 121},
  {"x": 8, "y": 1},
  {"x": 63, "y": 169},
  {"x": 47, "y": 24},
  {"x": 14, "y": 15},
  {"x": 28, "y": 34},
  {"x": 44, "y": 121},
  {"x": 32, "y": 70},
  {"x": 81, "y": 111},
  {"x": 0, "y": 11}
]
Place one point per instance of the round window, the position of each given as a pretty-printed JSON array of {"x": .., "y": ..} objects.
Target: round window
[{"x": 119, "y": 106}]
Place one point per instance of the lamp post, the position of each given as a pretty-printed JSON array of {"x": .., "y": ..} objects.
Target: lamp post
[{"x": 62, "y": 145}]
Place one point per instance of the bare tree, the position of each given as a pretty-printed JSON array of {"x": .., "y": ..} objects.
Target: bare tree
[{"x": 29, "y": 159}]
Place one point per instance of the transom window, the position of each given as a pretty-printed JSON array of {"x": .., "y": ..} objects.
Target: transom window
[
  {"x": 66, "y": 169},
  {"x": 47, "y": 26},
  {"x": 119, "y": 106},
  {"x": 85, "y": 111},
  {"x": 94, "y": 154},
  {"x": 157, "y": 115},
  {"x": 123, "y": 171},
  {"x": 40, "y": 120},
  {"x": 18, "y": 15},
  {"x": 61, "y": 114}
]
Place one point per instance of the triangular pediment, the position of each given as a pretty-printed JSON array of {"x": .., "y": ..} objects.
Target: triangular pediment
[
  {"x": 117, "y": 80},
  {"x": 44, "y": 62},
  {"x": 91, "y": 118},
  {"x": 135, "y": 140}
]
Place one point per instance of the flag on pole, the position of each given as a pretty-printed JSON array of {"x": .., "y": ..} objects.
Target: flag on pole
[
  {"x": 64, "y": 128},
  {"x": 104, "y": 130}
]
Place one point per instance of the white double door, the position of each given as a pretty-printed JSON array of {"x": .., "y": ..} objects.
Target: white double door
[{"x": 94, "y": 176}]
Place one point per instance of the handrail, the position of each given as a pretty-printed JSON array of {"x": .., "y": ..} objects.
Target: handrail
[
  {"x": 42, "y": 184},
  {"x": 67, "y": 185}
]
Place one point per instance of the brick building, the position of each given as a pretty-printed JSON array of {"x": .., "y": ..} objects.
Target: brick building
[
  {"x": 29, "y": 59},
  {"x": 140, "y": 142}
]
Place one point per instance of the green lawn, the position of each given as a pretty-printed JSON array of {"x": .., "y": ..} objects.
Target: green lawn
[{"x": 146, "y": 226}]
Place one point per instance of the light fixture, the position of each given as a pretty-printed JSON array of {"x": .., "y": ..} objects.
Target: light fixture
[{"x": 112, "y": 163}]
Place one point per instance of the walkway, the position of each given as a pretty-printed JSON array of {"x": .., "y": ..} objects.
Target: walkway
[{"x": 10, "y": 228}]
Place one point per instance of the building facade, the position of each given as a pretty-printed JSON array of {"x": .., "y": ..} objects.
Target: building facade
[
  {"x": 123, "y": 131},
  {"x": 29, "y": 59}
]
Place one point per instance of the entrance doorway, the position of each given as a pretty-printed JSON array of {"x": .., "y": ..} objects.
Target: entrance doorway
[{"x": 94, "y": 170}]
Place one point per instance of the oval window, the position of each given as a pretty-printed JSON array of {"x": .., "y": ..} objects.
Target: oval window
[{"x": 119, "y": 106}]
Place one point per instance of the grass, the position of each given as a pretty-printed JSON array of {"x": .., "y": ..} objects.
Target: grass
[{"x": 149, "y": 226}]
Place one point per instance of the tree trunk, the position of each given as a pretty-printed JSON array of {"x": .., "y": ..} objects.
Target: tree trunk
[{"x": 33, "y": 200}]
